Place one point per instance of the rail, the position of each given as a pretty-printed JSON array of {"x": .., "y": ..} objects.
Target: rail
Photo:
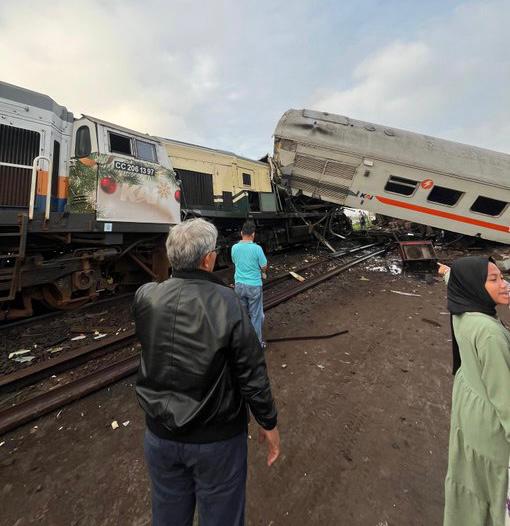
[{"x": 37, "y": 406}]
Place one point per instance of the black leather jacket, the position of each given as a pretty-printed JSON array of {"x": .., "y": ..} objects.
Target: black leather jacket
[{"x": 201, "y": 361}]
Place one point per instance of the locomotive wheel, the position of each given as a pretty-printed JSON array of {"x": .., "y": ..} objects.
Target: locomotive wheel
[{"x": 54, "y": 300}]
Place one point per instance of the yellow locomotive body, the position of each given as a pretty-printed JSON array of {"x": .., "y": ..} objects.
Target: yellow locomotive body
[{"x": 220, "y": 183}]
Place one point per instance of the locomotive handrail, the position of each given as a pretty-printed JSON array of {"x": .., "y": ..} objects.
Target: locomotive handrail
[
  {"x": 35, "y": 165},
  {"x": 12, "y": 165},
  {"x": 48, "y": 189}
]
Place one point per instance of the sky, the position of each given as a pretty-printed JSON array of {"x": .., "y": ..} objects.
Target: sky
[{"x": 221, "y": 72}]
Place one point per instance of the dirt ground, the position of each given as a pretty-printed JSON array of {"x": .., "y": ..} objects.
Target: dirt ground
[{"x": 363, "y": 418}]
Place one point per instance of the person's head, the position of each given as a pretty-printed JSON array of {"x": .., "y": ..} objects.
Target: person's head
[
  {"x": 476, "y": 285},
  {"x": 191, "y": 245},
  {"x": 248, "y": 230},
  {"x": 496, "y": 285}
]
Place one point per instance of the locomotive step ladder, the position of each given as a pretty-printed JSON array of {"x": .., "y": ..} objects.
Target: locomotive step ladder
[{"x": 12, "y": 273}]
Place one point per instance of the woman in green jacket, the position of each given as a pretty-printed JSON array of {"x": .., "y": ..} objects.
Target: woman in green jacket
[{"x": 476, "y": 485}]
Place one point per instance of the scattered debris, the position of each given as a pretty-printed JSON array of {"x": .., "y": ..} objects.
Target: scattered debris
[
  {"x": 99, "y": 336},
  {"x": 432, "y": 322},
  {"x": 2, "y": 443},
  {"x": 405, "y": 293},
  {"x": 115, "y": 424},
  {"x": 24, "y": 359},
  {"x": 126, "y": 423},
  {"x": 18, "y": 353},
  {"x": 295, "y": 275},
  {"x": 80, "y": 337},
  {"x": 363, "y": 278},
  {"x": 53, "y": 350},
  {"x": 321, "y": 366},
  {"x": 284, "y": 365}
]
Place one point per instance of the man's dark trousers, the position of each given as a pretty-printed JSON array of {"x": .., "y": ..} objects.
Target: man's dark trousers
[{"x": 213, "y": 475}]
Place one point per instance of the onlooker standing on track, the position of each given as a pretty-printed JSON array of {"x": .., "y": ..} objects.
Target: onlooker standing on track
[
  {"x": 362, "y": 220},
  {"x": 476, "y": 484},
  {"x": 201, "y": 368},
  {"x": 251, "y": 265}
]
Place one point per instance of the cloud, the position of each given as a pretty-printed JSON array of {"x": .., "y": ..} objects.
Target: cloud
[
  {"x": 222, "y": 72},
  {"x": 451, "y": 81},
  {"x": 114, "y": 60}
]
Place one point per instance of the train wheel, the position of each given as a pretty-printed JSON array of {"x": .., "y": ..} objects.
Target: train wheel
[{"x": 54, "y": 299}]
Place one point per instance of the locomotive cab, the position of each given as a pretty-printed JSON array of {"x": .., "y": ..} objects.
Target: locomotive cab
[{"x": 121, "y": 175}]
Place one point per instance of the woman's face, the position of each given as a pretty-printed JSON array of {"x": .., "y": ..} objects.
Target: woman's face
[{"x": 496, "y": 286}]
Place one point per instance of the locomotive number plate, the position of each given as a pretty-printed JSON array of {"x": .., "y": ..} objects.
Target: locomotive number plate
[{"x": 134, "y": 168}]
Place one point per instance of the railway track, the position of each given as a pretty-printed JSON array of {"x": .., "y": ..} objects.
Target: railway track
[{"x": 57, "y": 397}]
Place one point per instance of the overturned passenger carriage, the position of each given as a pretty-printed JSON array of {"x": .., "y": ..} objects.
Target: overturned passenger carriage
[{"x": 444, "y": 184}]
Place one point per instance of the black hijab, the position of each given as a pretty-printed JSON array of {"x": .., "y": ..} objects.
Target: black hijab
[{"x": 467, "y": 293}]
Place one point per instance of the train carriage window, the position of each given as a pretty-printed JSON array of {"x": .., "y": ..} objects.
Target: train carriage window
[
  {"x": 400, "y": 185},
  {"x": 120, "y": 144},
  {"x": 488, "y": 206},
  {"x": 146, "y": 151},
  {"x": 83, "y": 145},
  {"x": 444, "y": 196},
  {"x": 246, "y": 179}
]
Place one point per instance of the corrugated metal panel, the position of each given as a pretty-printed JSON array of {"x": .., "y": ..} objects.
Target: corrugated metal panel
[
  {"x": 342, "y": 170},
  {"x": 336, "y": 192},
  {"x": 14, "y": 186},
  {"x": 309, "y": 164},
  {"x": 18, "y": 146},
  {"x": 197, "y": 188},
  {"x": 322, "y": 166}
]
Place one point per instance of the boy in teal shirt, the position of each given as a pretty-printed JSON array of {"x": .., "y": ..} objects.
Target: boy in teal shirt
[{"x": 250, "y": 264}]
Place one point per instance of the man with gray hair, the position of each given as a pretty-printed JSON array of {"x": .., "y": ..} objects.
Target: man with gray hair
[{"x": 201, "y": 368}]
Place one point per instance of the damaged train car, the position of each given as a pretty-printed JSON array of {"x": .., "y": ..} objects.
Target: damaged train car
[{"x": 444, "y": 184}]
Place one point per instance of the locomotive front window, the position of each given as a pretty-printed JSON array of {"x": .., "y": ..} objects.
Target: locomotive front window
[
  {"x": 83, "y": 145},
  {"x": 400, "y": 185},
  {"x": 120, "y": 144},
  {"x": 488, "y": 206},
  {"x": 146, "y": 151},
  {"x": 444, "y": 196}
]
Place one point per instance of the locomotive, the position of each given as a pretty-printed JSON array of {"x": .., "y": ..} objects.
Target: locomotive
[
  {"x": 84, "y": 205},
  {"x": 396, "y": 173}
]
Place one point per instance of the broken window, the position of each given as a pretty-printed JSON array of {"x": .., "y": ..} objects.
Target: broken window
[
  {"x": 120, "y": 144},
  {"x": 400, "y": 185},
  {"x": 488, "y": 206},
  {"x": 444, "y": 196}
]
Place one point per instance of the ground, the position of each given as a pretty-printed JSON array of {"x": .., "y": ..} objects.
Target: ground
[{"x": 363, "y": 417}]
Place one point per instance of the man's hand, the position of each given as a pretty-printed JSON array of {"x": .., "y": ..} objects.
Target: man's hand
[
  {"x": 443, "y": 269},
  {"x": 273, "y": 443}
]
